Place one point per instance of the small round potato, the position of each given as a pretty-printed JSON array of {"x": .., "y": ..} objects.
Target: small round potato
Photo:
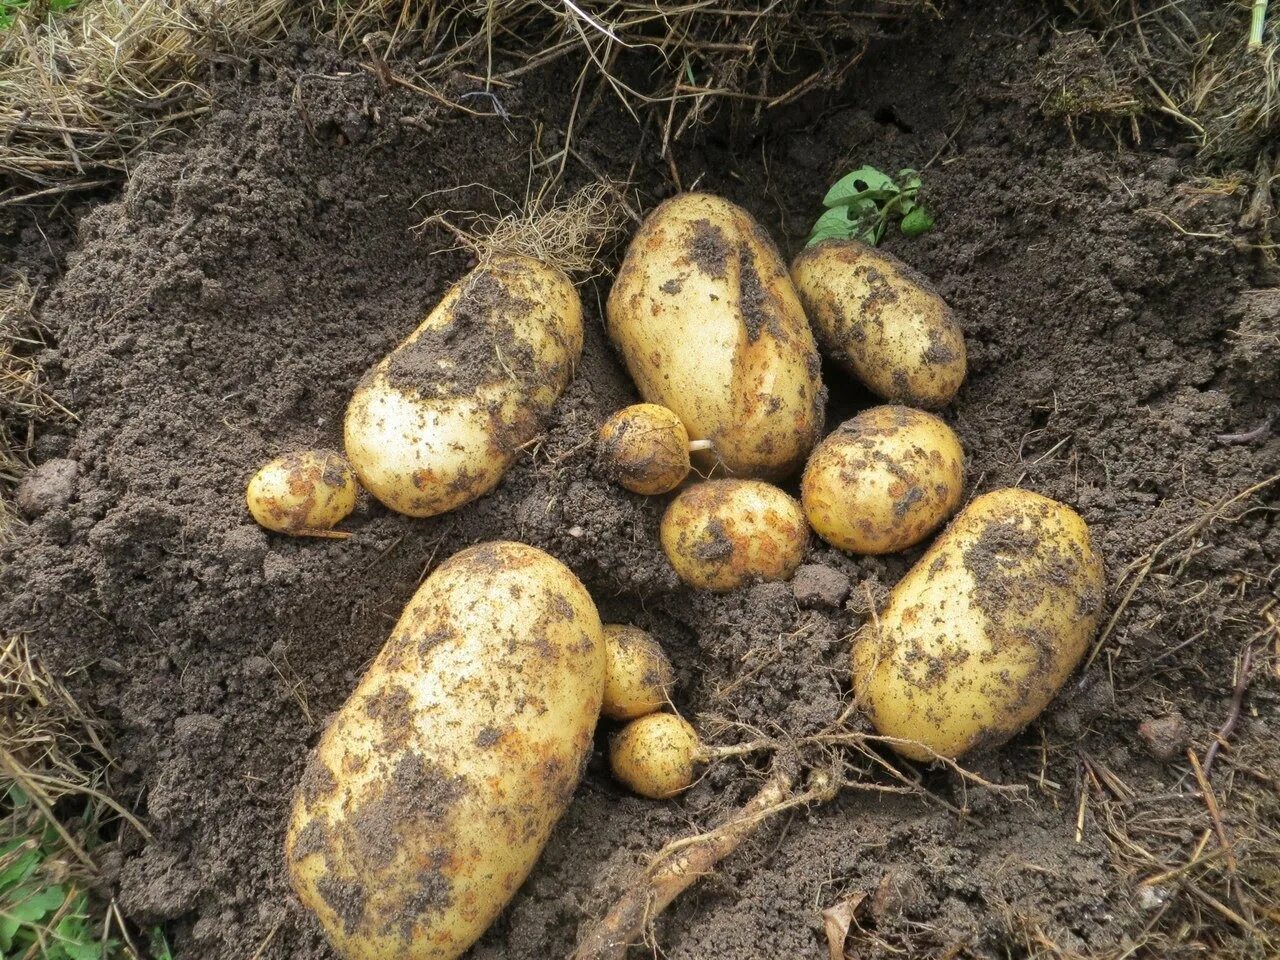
[
  {"x": 884, "y": 480},
  {"x": 981, "y": 634},
  {"x": 304, "y": 494},
  {"x": 721, "y": 534},
  {"x": 656, "y": 755},
  {"x": 645, "y": 448},
  {"x": 882, "y": 321},
  {"x": 638, "y": 676}
]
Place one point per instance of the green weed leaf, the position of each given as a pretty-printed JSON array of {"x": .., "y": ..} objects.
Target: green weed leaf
[
  {"x": 861, "y": 181},
  {"x": 917, "y": 221},
  {"x": 863, "y": 204}
]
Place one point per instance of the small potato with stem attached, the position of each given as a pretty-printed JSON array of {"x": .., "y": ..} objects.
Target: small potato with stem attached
[
  {"x": 638, "y": 675},
  {"x": 645, "y": 448},
  {"x": 304, "y": 494},
  {"x": 656, "y": 755}
]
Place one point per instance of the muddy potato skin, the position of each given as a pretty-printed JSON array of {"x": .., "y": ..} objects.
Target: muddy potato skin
[
  {"x": 645, "y": 448},
  {"x": 655, "y": 755},
  {"x": 434, "y": 788},
  {"x": 301, "y": 492},
  {"x": 979, "y": 636},
  {"x": 884, "y": 480},
  {"x": 722, "y": 534},
  {"x": 439, "y": 420},
  {"x": 882, "y": 321},
  {"x": 709, "y": 325},
  {"x": 638, "y": 675}
]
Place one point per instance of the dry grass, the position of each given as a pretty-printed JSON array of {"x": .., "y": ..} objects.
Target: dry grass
[
  {"x": 567, "y": 233},
  {"x": 84, "y": 90},
  {"x": 1207, "y": 75},
  {"x": 25, "y": 400}
]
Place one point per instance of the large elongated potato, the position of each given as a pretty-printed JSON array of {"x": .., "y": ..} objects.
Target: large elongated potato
[
  {"x": 434, "y": 789},
  {"x": 979, "y": 636},
  {"x": 882, "y": 321},
  {"x": 722, "y": 534},
  {"x": 440, "y": 419},
  {"x": 884, "y": 480},
  {"x": 710, "y": 326}
]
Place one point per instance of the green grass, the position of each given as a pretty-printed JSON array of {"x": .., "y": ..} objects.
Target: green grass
[
  {"x": 46, "y": 912},
  {"x": 9, "y": 9}
]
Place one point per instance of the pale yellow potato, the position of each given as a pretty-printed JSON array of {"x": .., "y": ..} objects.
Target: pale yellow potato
[
  {"x": 441, "y": 418},
  {"x": 722, "y": 534},
  {"x": 435, "y": 787},
  {"x": 709, "y": 325},
  {"x": 638, "y": 675},
  {"x": 305, "y": 493},
  {"x": 655, "y": 755},
  {"x": 980, "y": 635},
  {"x": 645, "y": 448},
  {"x": 882, "y": 321},
  {"x": 883, "y": 481}
]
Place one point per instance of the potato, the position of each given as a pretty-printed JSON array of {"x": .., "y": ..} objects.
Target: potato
[
  {"x": 882, "y": 321},
  {"x": 645, "y": 448},
  {"x": 656, "y": 755},
  {"x": 638, "y": 675},
  {"x": 722, "y": 534},
  {"x": 304, "y": 494},
  {"x": 979, "y": 636},
  {"x": 434, "y": 788},
  {"x": 883, "y": 481},
  {"x": 440, "y": 419},
  {"x": 709, "y": 326}
]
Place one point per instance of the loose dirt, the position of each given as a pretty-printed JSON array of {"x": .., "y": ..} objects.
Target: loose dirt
[{"x": 222, "y": 309}]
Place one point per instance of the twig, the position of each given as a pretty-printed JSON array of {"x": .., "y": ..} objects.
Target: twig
[
  {"x": 1257, "y": 433},
  {"x": 1233, "y": 712}
]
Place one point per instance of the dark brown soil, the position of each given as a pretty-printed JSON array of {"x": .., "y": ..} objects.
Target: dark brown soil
[{"x": 223, "y": 308}]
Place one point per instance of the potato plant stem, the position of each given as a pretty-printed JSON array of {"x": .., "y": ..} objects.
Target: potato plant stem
[
  {"x": 1257, "y": 24},
  {"x": 695, "y": 445},
  {"x": 676, "y": 868}
]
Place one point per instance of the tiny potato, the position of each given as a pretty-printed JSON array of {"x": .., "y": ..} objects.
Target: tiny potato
[
  {"x": 882, "y": 321},
  {"x": 978, "y": 637},
  {"x": 721, "y": 534},
  {"x": 438, "y": 421},
  {"x": 435, "y": 787},
  {"x": 883, "y": 481},
  {"x": 709, "y": 325},
  {"x": 645, "y": 448},
  {"x": 304, "y": 494},
  {"x": 655, "y": 755},
  {"x": 638, "y": 677}
]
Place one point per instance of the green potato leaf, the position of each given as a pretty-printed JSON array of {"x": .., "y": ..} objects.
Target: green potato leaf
[{"x": 861, "y": 181}]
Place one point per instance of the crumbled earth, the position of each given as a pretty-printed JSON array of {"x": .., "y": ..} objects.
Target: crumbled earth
[{"x": 220, "y": 311}]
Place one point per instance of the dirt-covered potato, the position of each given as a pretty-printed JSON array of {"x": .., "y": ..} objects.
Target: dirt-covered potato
[
  {"x": 722, "y": 534},
  {"x": 710, "y": 326},
  {"x": 434, "y": 788},
  {"x": 883, "y": 481},
  {"x": 656, "y": 755},
  {"x": 439, "y": 420},
  {"x": 882, "y": 321},
  {"x": 638, "y": 675},
  {"x": 645, "y": 448},
  {"x": 304, "y": 494},
  {"x": 978, "y": 637}
]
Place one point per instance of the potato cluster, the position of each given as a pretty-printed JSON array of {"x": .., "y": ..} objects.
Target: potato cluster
[{"x": 435, "y": 787}]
